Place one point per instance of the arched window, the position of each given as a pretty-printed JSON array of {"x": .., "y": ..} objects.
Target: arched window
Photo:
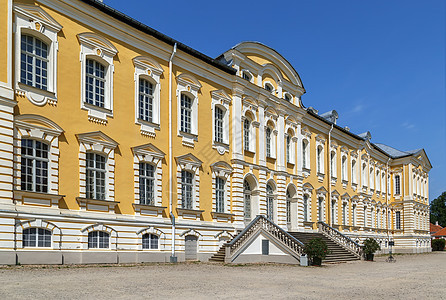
[
  {"x": 34, "y": 166},
  {"x": 288, "y": 148},
  {"x": 305, "y": 208},
  {"x": 98, "y": 239},
  {"x": 219, "y": 195},
  {"x": 246, "y": 133},
  {"x": 95, "y": 83},
  {"x": 268, "y": 142},
  {"x": 269, "y": 202},
  {"x": 269, "y": 87},
  {"x": 95, "y": 176},
  {"x": 150, "y": 241},
  {"x": 146, "y": 92},
  {"x": 247, "y": 200},
  {"x": 218, "y": 125},
  {"x": 186, "y": 114},
  {"x": 288, "y": 206},
  {"x": 397, "y": 185},
  {"x": 305, "y": 154},
  {"x": 34, "y": 62},
  {"x": 146, "y": 184},
  {"x": 36, "y": 237},
  {"x": 186, "y": 189}
]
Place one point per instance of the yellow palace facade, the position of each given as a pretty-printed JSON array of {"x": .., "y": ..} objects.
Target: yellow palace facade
[{"x": 120, "y": 144}]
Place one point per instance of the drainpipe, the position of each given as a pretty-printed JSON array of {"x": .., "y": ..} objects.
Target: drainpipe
[
  {"x": 173, "y": 258},
  {"x": 329, "y": 175}
]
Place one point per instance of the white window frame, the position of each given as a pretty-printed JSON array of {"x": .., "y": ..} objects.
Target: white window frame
[
  {"x": 34, "y": 21},
  {"x": 221, "y": 100},
  {"x": 99, "y": 49},
  {"x": 97, "y": 142},
  {"x": 189, "y": 86},
  {"x": 150, "y": 70}
]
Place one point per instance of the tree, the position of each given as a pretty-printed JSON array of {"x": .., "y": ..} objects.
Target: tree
[{"x": 438, "y": 210}]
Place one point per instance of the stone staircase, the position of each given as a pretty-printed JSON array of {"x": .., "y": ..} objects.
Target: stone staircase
[
  {"x": 338, "y": 253},
  {"x": 220, "y": 255}
]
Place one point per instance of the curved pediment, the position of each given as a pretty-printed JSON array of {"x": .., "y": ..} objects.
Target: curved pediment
[{"x": 270, "y": 60}]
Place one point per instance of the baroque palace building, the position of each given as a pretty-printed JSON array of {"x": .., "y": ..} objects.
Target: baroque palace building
[{"x": 120, "y": 144}]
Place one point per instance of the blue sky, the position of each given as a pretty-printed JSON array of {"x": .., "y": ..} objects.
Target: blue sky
[{"x": 379, "y": 64}]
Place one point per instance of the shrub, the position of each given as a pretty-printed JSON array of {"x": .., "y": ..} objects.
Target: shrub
[
  {"x": 371, "y": 246},
  {"x": 438, "y": 244},
  {"x": 316, "y": 248}
]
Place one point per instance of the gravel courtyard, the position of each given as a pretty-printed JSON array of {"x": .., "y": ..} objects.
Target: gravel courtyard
[{"x": 419, "y": 276}]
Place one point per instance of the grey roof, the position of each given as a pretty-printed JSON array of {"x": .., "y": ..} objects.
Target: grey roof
[{"x": 395, "y": 153}]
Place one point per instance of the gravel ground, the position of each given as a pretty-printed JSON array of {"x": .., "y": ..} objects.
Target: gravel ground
[{"x": 420, "y": 276}]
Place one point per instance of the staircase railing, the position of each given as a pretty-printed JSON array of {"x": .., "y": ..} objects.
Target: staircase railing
[
  {"x": 340, "y": 239},
  {"x": 261, "y": 222}
]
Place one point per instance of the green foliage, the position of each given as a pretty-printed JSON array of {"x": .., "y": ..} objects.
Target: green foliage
[
  {"x": 316, "y": 248},
  {"x": 438, "y": 210},
  {"x": 371, "y": 246},
  {"x": 438, "y": 244}
]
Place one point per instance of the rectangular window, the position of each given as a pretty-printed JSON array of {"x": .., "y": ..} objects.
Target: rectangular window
[
  {"x": 34, "y": 62},
  {"x": 94, "y": 83},
  {"x": 146, "y": 184},
  {"x": 95, "y": 176},
  {"x": 145, "y": 100},
  {"x": 218, "y": 119},
  {"x": 34, "y": 166},
  {"x": 398, "y": 220},
  {"x": 186, "y": 189},
  {"x": 186, "y": 114},
  {"x": 219, "y": 195}
]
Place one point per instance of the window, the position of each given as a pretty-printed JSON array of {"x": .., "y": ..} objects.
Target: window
[
  {"x": 98, "y": 239},
  {"x": 219, "y": 195},
  {"x": 269, "y": 202},
  {"x": 398, "y": 220},
  {"x": 305, "y": 208},
  {"x": 344, "y": 168},
  {"x": 246, "y": 134},
  {"x": 34, "y": 62},
  {"x": 146, "y": 184},
  {"x": 305, "y": 154},
  {"x": 95, "y": 176},
  {"x": 268, "y": 142},
  {"x": 247, "y": 201},
  {"x": 146, "y": 91},
  {"x": 150, "y": 241},
  {"x": 397, "y": 185},
  {"x": 36, "y": 237},
  {"x": 269, "y": 87},
  {"x": 288, "y": 149},
  {"x": 186, "y": 189},
  {"x": 319, "y": 159},
  {"x": 320, "y": 209},
  {"x": 94, "y": 83},
  {"x": 34, "y": 166},
  {"x": 186, "y": 114},
  {"x": 218, "y": 119}
]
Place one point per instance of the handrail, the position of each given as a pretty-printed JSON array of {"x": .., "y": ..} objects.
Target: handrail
[
  {"x": 261, "y": 222},
  {"x": 339, "y": 238}
]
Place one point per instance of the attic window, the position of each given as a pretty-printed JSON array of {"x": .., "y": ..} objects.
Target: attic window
[
  {"x": 269, "y": 87},
  {"x": 246, "y": 75}
]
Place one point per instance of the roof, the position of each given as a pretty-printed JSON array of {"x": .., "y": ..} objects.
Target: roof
[
  {"x": 435, "y": 228},
  {"x": 395, "y": 153},
  {"x": 441, "y": 232},
  {"x": 158, "y": 35}
]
